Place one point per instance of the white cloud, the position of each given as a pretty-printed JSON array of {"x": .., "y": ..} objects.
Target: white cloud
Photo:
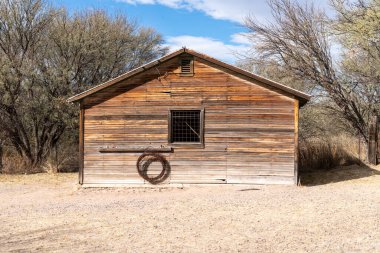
[
  {"x": 215, "y": 48},
  {"x": 134, "y": 2},
  {"x": 233, "y": 10},
  {"x": 241, "y": 38}
]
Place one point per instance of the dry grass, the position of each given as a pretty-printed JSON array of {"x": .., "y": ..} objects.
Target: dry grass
[
  {"x": 38, "y": 178},
  {"x": 12, "y": 164},
  {"x": 327, "y": 154},
  {"x": 62, "y": 159}
]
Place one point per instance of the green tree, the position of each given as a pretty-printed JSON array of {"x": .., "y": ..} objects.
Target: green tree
[{"x": 47, "y": 56}]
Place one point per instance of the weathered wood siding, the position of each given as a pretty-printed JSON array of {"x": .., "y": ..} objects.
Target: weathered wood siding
[{"x": 249, "y": 127}]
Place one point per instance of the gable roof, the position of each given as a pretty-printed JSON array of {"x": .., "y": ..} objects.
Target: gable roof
[{"x": 302, "y": 97}]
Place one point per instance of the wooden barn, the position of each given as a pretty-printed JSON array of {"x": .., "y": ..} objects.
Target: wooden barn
[{"x": 189, "y": 118}]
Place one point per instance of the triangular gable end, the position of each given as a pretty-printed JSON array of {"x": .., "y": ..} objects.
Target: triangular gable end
[{"x": 300, "y": 96}]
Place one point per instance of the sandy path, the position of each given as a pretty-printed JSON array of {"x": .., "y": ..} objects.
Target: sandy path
[{"x": 48, "y": 213}]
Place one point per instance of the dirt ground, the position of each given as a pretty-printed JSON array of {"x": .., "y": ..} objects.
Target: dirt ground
[{"x": 337, "y": 211}]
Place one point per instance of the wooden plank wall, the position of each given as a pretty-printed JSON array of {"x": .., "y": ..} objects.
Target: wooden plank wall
[{"x": 249, "y": 129}]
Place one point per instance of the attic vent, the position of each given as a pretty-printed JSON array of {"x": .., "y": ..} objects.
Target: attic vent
[{"x": 186, "y": 67}]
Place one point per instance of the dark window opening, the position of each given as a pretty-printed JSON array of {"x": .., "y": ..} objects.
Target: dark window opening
[
  {"x": 187, "y": 68},
  {"x": 186, "y": 126}
]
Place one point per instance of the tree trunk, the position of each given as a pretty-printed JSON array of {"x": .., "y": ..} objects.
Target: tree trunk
[
  {"x": 372, "y": 144},
  {"x": 1, "y": 157}
]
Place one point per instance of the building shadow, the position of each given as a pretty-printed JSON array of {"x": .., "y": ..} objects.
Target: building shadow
[{"x": 338, "y": 174}]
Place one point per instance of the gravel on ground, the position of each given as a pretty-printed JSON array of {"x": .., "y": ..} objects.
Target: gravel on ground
[{"x": 335, "y": 211}]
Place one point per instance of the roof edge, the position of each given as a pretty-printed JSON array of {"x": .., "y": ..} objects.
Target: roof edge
[
  {"x": 121, "y": 77},
  {"x": 301, "y": 96}
]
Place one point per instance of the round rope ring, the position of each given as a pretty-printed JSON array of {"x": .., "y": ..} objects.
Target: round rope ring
[{"x": 145, "y": 160}]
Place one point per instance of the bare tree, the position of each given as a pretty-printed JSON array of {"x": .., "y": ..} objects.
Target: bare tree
[
  {"x": 299, "y": 40},
  {"x": 356, "y": 26},
  {"x": 46, "y": 56}
]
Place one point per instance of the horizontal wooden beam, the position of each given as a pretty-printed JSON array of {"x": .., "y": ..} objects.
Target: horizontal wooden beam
[{"x": 136, "y": 150}]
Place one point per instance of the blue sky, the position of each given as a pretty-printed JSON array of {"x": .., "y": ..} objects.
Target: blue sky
[{"x": 213, "y": 27}]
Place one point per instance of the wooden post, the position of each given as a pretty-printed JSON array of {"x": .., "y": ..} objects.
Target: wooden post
[
  {"x": 81, "y": 143},
  {"x": 296, "y": 117},
  {"x": 372, "y": 143}
]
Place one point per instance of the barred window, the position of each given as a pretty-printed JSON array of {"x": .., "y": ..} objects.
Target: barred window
[{"x": 186, "y": 126}]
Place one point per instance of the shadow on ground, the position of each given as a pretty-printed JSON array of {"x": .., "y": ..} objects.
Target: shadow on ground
[
  {"x": 339, "y": 174},
  {"x": 250, "y": 189}
]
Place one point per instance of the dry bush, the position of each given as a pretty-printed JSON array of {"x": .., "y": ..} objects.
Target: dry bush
[
  {"x": 66, "y": 161},
  {"x": 320, "y": 154},
  {"x": 14, "y": 164},
  {"x": 63, "y": 158}
]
